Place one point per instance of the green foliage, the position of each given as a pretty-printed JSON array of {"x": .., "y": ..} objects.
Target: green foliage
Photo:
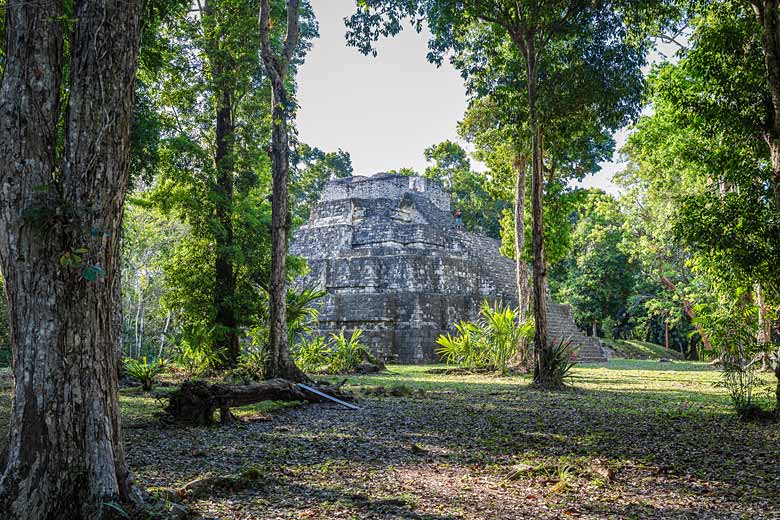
[
  {"x": 311, "y": 354},
  {"x": 558, "y": 361},
  {"x": 143, "y": 371},
  {"x": 212, "y": 178},
  {"x": 560, "y": 203},
  {"x": 463, "y": 349},
  {"x": 251, "y": 365},
  {"x": 193, "y": 352},
  {"x": 346, "y": 354},
  {"x": 481, "y": 209},
  {"x": 302, "y": 315},
  {"x": 599, "y": 276},
  {"x": 314, "y": 168},
  {"x": 337, "y": 355},
  {"x": 731, "y": 328},
  {"x": 491, "y": 343}
]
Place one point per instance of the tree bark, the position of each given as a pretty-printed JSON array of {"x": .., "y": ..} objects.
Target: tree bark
[
  {"x": 521, "y": 267},
  {"x": 541, "y": 347},
  {"x": 769, "y": 18},
  {"x": 666, "y": 332},
  {"x": 280, "y": 363},
  {"x": 196, "y": 401},
  {"x": 225, "y": 279},
  {"x": 64, "y": 457}
]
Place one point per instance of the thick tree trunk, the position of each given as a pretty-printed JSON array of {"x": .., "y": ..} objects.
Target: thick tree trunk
[
  {"x": 280, "y": 363},
  {"x": 521, "y": 267},
  {"x": 225, "y": 280},
  {"x": 64, "y": 457}
]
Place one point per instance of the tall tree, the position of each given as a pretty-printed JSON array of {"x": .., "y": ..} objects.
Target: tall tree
[
  {"x": 277, "y": 60},
  {"x": 560, "y": 44},
  {"x": 224, "y": 66},
  {"x": 60, "y": 222},
  {"x": 313, "y": 168},
  {"x": 600, "y": 277},
  {"x": 767, "y": 14},
  {"x": 480, "y": 208}
]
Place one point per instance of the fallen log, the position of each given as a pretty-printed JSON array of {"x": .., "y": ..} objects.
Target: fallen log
[{"x": 196, "y": 401}]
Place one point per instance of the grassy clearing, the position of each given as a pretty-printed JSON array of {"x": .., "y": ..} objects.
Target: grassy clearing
[
  {"x": 633, "y": 349},
  {"x": 632, "y": 439}
]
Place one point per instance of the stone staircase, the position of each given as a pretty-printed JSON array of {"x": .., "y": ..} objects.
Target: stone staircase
[{"x": 561, "y": 326}]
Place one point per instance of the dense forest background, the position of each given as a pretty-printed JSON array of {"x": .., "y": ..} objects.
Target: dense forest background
[{"x": 690, "y": 240}]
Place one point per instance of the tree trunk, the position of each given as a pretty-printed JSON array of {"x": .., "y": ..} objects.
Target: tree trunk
[
  {"x": 64, "y": 457},
  {"x": 196, "y": 401},
  {"x": 768, "y": 16},
  {"x": 666, "y": 332},
  {"x": 595, "y": 332},
  {"x": 541, "y": 347},
  {"x": 280, "y": 363},
  {"x": 225, "y": 280},
  {"x": 521, "y": 267}
]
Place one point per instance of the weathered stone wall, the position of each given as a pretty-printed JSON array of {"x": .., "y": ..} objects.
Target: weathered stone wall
[
  {"x": 395, "y": 266},
  {"x": 385, "y": 186}
]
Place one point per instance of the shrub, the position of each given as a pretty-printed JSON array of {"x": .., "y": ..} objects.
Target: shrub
[
  {"x": 464, "y": 348},
  {"x": 143, "y": 371},
  {"x": 491, "y": 343},
  {"x": 731, "y": 329},
  {"x": 346, "y": 354},
  {"x": 337, "y": 355},
  {"x": 311, "y": 354},
  {"x": 193, "y": 353},
  {"x": 558, "y": 360},
  {"x": 301, "y": 314},
  {"x": 251, "y": 365}
]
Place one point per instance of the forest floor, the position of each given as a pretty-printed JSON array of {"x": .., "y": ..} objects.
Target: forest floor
[{"x": 633, "y": 439}]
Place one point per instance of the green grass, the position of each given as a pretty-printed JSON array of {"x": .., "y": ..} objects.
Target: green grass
[{"x": 633, "y": 349}]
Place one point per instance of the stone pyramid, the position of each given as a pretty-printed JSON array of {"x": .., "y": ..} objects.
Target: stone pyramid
[{"x": 386, "y": 250}]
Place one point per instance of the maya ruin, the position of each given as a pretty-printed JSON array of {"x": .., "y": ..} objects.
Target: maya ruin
[{"x": 387, "y": 250}]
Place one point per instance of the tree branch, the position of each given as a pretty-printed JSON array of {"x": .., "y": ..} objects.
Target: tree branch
[
  {"x": 271, "y": 63},
  {"x": 293, "y": 31}
]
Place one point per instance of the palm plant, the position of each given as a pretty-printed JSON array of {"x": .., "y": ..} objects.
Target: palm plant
[
  {"x": 301, "y": 314},
  {"x": 143, "y": 371},
  {"x": 346, "y": 354},
  {"x": 492, "y": 342}
]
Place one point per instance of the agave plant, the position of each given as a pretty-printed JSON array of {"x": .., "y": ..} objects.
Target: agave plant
[{"x": 559, "y": 360}]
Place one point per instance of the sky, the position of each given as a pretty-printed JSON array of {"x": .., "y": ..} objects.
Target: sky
[{"x": 385, "y": 110}]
